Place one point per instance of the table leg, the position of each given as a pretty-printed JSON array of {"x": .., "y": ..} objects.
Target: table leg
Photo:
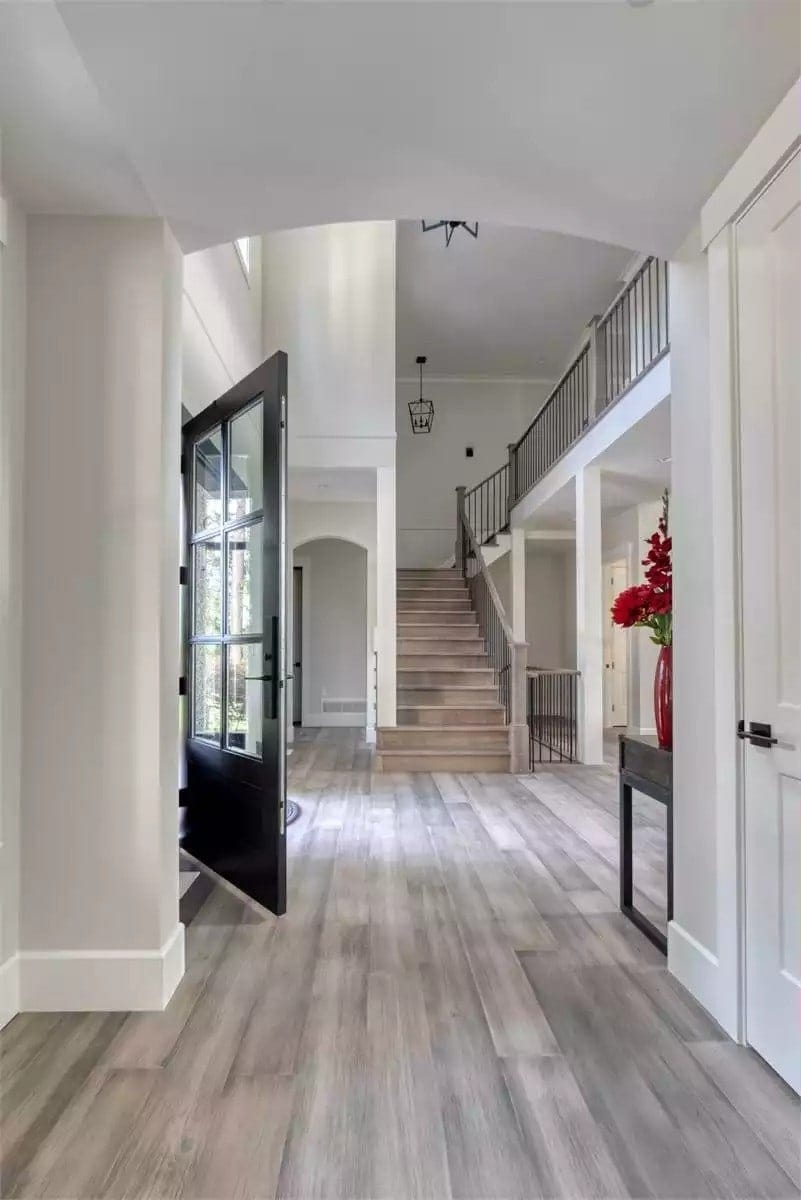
[{"x": 626, "y": 847}]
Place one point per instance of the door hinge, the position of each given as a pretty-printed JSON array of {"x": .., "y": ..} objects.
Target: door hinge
[
  {"x": 183, "y": 464},
  {"x": 183, "y": 576},
  {"x": 182, "y": 688}
]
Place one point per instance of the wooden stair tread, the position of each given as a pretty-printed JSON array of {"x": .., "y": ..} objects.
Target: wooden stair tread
[
  {"x": 438, "y": 687},
  {"x": 460, "y": 707},
  {"x": 445, "y": 728},
  {"x": 450, "y": 753}
]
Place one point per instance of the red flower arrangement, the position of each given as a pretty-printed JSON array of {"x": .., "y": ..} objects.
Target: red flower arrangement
[{"x": 650, "y": 604}]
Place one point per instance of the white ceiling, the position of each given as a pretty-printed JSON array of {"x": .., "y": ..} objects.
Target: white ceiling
[
  {"x": 514, "y": 302},
  {"x": 596, "y": 119},
  {"x": 636, "y": 468}
]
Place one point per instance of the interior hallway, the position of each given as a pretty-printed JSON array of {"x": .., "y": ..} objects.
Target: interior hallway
[{"x": 453, "y": 1006}]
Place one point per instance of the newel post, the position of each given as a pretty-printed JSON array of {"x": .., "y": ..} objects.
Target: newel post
[
  {"x": 460, "y": 548},
  {"x": 518, "y": 714},
  {"x": 511, "y": 498},
  {"x": 597, "y": 396}
]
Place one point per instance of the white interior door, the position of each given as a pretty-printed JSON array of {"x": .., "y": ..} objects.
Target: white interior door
[
  {"x": 615, "y": 650},
  {"x": 769, "y": 302}
]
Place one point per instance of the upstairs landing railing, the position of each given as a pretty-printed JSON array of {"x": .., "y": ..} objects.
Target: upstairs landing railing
[
  {"x": 624, "y": 344},
  {"x": 507, "y": 657}
]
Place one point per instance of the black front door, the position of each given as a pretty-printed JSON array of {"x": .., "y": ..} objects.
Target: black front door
[{"x": 235, "y": 483}]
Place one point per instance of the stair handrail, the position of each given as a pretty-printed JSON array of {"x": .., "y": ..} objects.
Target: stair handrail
[{"x": 508, "y": 657}]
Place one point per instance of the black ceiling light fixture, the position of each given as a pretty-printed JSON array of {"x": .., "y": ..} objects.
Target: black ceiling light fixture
[
  {"x": 450, "y": 228},
  {"x": 421, "y": 412}
]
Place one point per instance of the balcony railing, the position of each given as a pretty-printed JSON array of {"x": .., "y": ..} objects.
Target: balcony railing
[
  {"x": 633, "y": 334},
  {"x": 629, "y": 339},
  {"x": 552, "y": 716},
  {"x": 560, "y": 422}
]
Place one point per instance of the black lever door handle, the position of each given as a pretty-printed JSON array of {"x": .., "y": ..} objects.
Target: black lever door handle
[{"x": 758, "y": 734}]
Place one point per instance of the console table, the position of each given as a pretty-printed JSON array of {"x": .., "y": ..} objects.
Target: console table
[{"x": 644, "y": 768}]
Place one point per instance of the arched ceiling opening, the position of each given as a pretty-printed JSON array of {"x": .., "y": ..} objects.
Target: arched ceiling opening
[{"x": 586, "y": 117}]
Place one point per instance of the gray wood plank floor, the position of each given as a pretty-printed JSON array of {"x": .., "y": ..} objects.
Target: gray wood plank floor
[{"x": 452, "y": 1007}]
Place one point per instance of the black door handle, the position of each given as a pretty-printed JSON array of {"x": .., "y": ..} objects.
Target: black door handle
[{"x": 758, "y": 734}]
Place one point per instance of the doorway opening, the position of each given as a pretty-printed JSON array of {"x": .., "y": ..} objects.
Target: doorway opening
[{"x": 330, "y": 634}]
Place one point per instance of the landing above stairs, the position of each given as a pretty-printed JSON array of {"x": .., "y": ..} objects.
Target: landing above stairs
[{"x": 450, "y": 717}]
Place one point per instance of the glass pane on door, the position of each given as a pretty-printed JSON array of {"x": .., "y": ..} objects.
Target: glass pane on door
[
  {"x": 207, "y": 594},
  {"x": 207, "y": 475},
  {"x": 207, "y": 692},
  {"x": 245, "y": 601},
  {"x": 244, "y": 698},
  {"x": 245, "y": 462}
]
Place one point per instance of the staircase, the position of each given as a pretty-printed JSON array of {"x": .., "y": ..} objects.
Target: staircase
[{"x": 450, "y": 717}]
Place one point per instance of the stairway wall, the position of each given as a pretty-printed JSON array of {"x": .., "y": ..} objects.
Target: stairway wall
[
  {"x": 550, "y": 603},
  {"x": 486, "y": 414}
]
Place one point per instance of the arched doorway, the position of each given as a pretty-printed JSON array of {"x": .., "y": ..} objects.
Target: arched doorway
[{"x": 330, "y": 624}]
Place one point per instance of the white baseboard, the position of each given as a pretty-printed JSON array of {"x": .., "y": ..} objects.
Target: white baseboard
[
  {"x": 696, "y": 967},
  {"x": 101, "y": 980},
  {"x": 334, "y": 720},
  {"x": 9, "y": 989}
]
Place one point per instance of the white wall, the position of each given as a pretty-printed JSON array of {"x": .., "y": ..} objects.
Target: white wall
[
  {"x": 484, "y": 414},
  {"x": 624, "y": 537},
  {"x": 12, "y": 410},
  {"x": 329, "y": 301},
  {"x": 335, "y": 630},
  {"x": 221, "y": 322},
  {"x": 550, "y": 603},
  {"x": 99, "y": 900}
]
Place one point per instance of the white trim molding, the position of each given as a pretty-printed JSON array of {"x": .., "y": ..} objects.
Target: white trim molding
[
  {"x": 9, "y": 989},
  {"x": 336, "y": 720},
  {"x": 696, "y": 967},
  {"x": 101, "y": 980}
]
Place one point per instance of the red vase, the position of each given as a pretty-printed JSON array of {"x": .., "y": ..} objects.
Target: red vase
[{"x": 663, "y": 698}]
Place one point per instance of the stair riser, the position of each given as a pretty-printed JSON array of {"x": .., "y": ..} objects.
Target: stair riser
[
  {"x": 446, "y": 642},
  {"x": 466, "y": 715},
  {"x": 424, "y": 616},
  {"x": 433, "y": 593},
  {"x": 458, "y": 696},
  {"x": 481, "y": 678},
  {"x": 439, "y": 661},
  {"x": 485, "y": 738},
  {"x": 430, "y": 575},
  {"x": 452, "y": 763},
  {"x": 435, "y": 604}
]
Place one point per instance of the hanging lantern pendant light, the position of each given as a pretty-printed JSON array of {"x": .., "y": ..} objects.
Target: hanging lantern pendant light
[{"x": 421, "y": 412}]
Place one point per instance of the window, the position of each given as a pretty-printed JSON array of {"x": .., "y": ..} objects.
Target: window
[{"x": 243, "y": 249}]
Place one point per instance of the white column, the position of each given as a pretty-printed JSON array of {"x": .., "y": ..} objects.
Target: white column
[
  {"x": 518, "y": 584},
  {"x": 589, "y": 615},
  {"x": 99, "y": 922},
  {"x": 386, "y": 588}
]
